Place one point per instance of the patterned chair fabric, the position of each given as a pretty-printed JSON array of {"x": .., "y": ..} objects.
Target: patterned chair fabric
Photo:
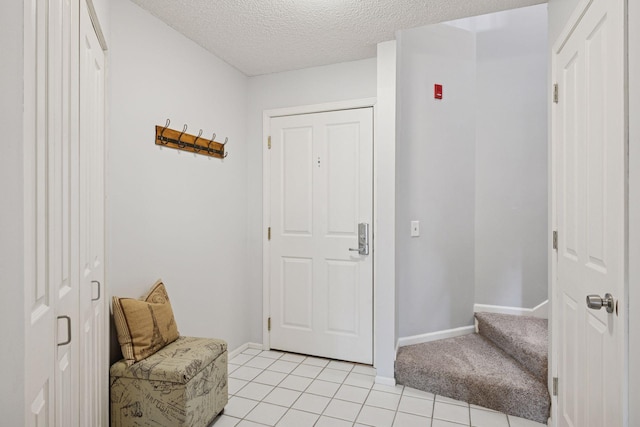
[{"x": 183, "y": 384}]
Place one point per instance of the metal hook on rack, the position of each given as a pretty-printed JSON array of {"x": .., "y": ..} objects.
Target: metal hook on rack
[
  {"x": 226, "y": 153},
  {"x": 196, "y": 147},
  {"x": 180, "y": 143},
  {"x": 209, "y": 144},
  {"x": 163, "y": 141}
]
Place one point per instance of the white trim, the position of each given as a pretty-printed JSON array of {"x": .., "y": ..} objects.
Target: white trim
[
  {"x": 541, "y": 310},
  {"x": 267, "y": 115},
  {"x": 244, "y": 347},
  {"x": 321, "y": 108},
  {"x": 385, "y": 381},
  {"x": 435, "y": 336},
  {"x": 96, "y": 25},
  {"x": 552, "y": 255},
  {"x": 384, "y": 223},
  {"x": 633, "y": 219}
]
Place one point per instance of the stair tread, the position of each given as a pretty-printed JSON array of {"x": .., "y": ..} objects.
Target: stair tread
[
  {"x": 524, "y": 338},
  {"x": 470, "y": 368}
]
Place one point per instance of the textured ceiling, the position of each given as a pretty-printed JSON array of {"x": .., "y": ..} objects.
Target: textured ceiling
[{"x": 267, "y": 36}]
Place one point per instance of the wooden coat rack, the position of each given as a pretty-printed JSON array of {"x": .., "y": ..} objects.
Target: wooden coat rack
[{"x": 194, "y": 144}]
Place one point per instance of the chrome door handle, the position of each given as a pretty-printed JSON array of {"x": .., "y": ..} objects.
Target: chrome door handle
[
  {"x": 363, "y": 239},
  {"x": 595, "y": 302},
  {"x": 99, "y": 286},
  {"x": 68, "y": 319}
]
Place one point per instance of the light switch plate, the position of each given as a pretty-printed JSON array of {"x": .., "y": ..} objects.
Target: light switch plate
[{"x": 415, "y": 228}]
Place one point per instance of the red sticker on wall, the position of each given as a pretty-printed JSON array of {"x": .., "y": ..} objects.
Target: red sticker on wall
[{"x": 437, "y": 91}]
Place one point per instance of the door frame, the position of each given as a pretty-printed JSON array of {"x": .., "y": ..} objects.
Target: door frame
[
  {"x": 633, "y": 169},
  {"x": 267, "y": 115},
  {"x": 633, "y": 50}
]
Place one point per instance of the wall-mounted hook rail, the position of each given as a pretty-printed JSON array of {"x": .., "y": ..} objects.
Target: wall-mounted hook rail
[{"x": 178, "y": 140}]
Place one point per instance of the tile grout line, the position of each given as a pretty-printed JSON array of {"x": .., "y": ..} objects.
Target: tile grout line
[
  {"x": 362, "y": 407},
  {"x": 341, "y": 384},
  {"x": 330, "y": 397}
]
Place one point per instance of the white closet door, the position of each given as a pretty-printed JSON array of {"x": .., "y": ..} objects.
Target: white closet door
[
  {"x": 40, "y": 316},
  {"x": 93, "y": 316},
  {"x": 51, "y": 279},
  {"x": 63, "y": 203}
]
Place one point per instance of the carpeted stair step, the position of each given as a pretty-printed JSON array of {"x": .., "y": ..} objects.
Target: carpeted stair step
[
  {"x": 470, "y": 368},
  {"x": 524, "y": 338}
]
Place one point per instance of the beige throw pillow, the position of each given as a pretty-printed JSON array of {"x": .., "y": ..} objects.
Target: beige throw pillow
[{"x": 144, "y": 326}]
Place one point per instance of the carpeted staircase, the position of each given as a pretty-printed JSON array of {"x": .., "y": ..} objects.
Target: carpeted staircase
[{"x": 503, "y": 367}]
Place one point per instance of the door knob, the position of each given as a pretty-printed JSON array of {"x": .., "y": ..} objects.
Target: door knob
[{"x": 595, "y": 302}]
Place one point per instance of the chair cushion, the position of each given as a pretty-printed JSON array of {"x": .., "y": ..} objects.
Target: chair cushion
[
  {"x": 178, "y": 362},
  {"x": 144, "y": 326}
]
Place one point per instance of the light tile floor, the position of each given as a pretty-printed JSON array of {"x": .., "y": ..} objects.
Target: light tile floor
[{"x": 269, "y": 388}]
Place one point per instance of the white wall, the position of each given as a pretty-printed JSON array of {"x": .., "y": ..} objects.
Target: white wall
[
  {"x": 435, "y": 170},
  {"x": 339, "y": 82},
  {"x": 511, "y": 159},
  {"x": 559, "y": 13},
  {"x": 472, "y": 168},
  {"x": 11, "y": 222},
  {"x": 172, "y": 214}
]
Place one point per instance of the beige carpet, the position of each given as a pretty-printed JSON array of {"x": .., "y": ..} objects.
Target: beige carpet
[
  {"x": 522, "y": 337},
  {"x": 473, "y": 369}
]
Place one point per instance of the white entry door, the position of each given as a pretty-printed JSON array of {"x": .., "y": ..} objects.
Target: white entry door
[
  {"x": 321, "y": 291},
  {"x": 590, "y": 164}
]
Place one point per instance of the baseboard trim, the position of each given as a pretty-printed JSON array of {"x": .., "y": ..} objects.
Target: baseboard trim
[
  {"x": 434, "y": 336},
  {"x": 244, "y": 347},
  {"x": 541, "y": 310},
  {"x": 385, "y": 381}
]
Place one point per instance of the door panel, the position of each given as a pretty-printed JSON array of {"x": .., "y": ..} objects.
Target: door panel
[
  {"x": 51, "y": 285},
  {"x": 342, "y": 292},
  {"x": 343, "y": 185},
  {"x": 40, "y": 412},
  {"x": 297, "y": 182},
  {"x": 297, "y": 293},
  {"x": 63, "y": 208},
  {"x": 93, "y": 385},
  {"x": 571, "y": 375},
  {"x": 589, "y": 147},
  {"x": 321, "y": 188}
]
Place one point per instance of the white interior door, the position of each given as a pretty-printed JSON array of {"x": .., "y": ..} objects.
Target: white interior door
[
  {"x": 93, "y": 381},
  {"x": 321, "y": 292},
  {"x": 40, "y": 292},
  {"x": 63, "y": 206},
  {"x": 590, "y": 164},
  {"x": 51, "y": 200}
]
